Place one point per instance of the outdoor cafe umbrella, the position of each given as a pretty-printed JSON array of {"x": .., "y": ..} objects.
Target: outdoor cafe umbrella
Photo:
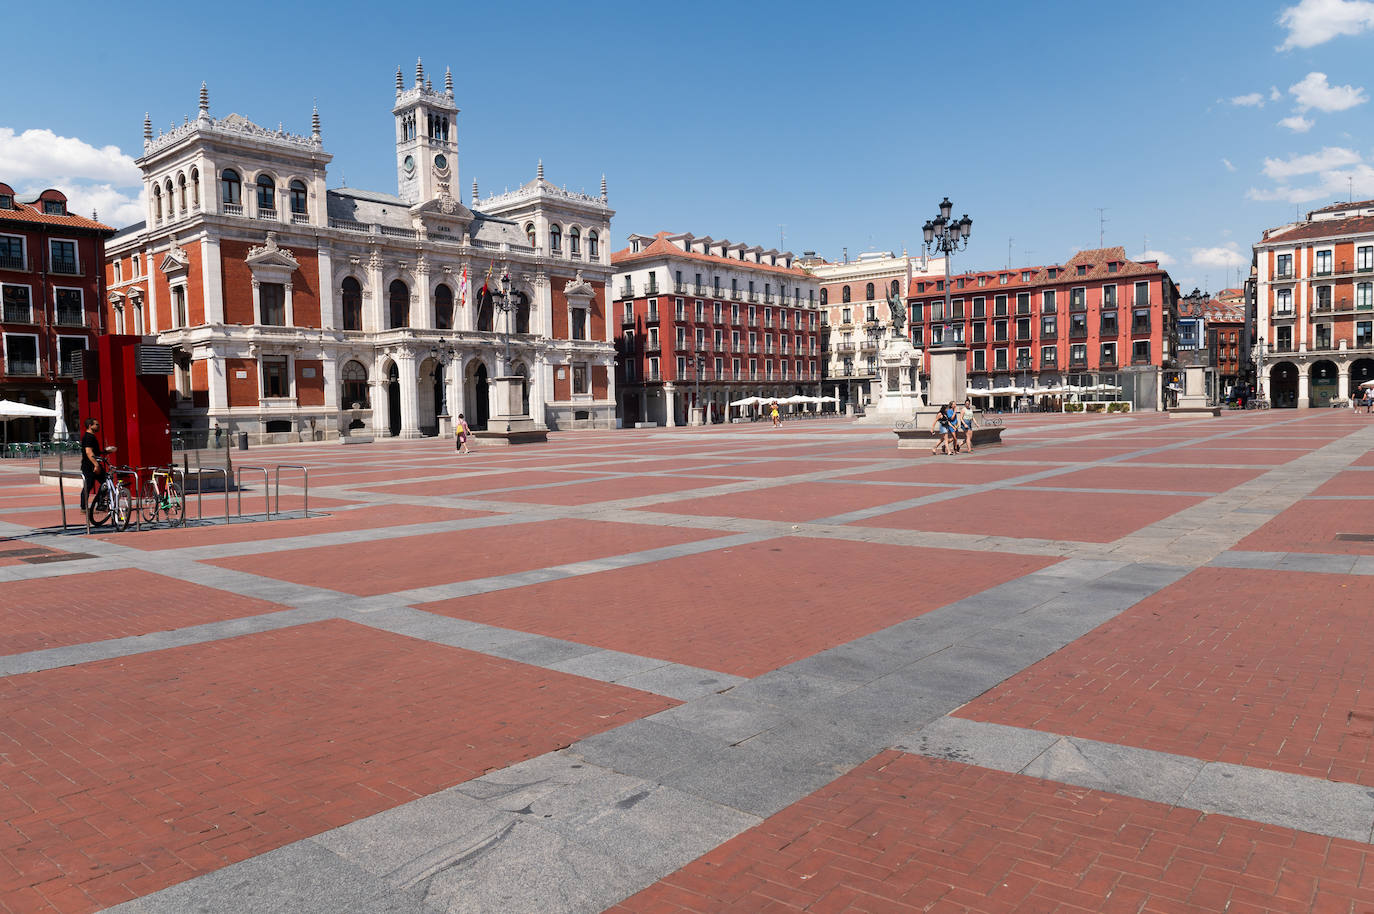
[
  {"x": 10, "y": 409},
  {"x": 1368, "y": 384}
]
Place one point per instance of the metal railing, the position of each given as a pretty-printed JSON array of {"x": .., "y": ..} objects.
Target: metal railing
[
  {"x": 305, "y": 484},
  {"x": 266, "y": 489}
]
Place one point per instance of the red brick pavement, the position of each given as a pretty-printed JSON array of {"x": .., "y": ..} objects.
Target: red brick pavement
[
  {"x": 1056, "y": 453},
  {"x": 954, "y": 470},
  {"x": 474, "y": 482},
  {"x": 1151, "y": 479},
  {"x": 125, "y": 776},
  {"x": 584, "y": 493},
  {"x": 372, "y": 517},
  {"x": 384, "y": 566},
  {"x": 79, "y": 608},
  {"x": 1261, "y": 668},
  {"x": 1313, "y": 526},
  {"x": 902, "y": 833},
  {"x": 1075, "y": 516},
  {"x": 796, "y": 604},
  {"x": 1206, "y": 455},
  {"x": 797, "y": 502},
  {"x": 771, "y": 469},
  {"x": 1351, "y": 482}
]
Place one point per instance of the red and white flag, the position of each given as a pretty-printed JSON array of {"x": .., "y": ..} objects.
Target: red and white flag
[{"x": 463, "y": 287}]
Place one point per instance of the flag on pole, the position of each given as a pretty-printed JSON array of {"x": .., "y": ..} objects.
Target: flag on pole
[
  {"x": 463, "y": 287},
  {"x": 486, "y": 282}
]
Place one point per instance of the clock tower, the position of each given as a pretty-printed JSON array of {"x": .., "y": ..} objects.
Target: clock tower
[{"x": 426, "y": 138}]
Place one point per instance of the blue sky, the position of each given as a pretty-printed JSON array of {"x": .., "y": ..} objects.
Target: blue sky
[{"x": 844, "y": 124}]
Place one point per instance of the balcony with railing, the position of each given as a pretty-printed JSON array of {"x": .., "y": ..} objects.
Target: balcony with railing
[
  {"x": 20, "y": 366},
  {"x": 269, "y": 214},
  {"x": 1283, "y": 275},
  {"x": 679, "y": 288},
  {"x": 1280, "y": 314},
  {"x": 651, "y": 316},
  {"x": 753, "y": 296},
  {"x": 13, "y": 263},
  {"x": 627, "y": 291},
  {"x": 70, "y": 315},
  {"x": 652, "y": 346},
  {"x": 65, "y": 267},
  {"x": 700, "y": 290},
  {"x": 651, "y": 289},
  {"x": 15, "y": 313},
  {"x": 627, "y": 320},
  {"x": 232, "y": 209},
  {"x": 300, "y": 218}
]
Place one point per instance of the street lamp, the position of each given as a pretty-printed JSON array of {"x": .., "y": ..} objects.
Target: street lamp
[
  {"x": 1257, "y": 354},
  {"x": 701, "y": 366},
  {"x": 944, "y": 234},
  {"x": 505, "y": 302}
]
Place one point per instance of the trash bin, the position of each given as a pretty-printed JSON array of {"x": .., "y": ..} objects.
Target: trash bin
[{"x": 243, "y": 441}]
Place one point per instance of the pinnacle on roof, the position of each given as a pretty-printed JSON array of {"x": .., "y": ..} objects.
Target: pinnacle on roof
[
  {"x": 603, "y": 188},
  {"x": 147, "y": 126},
  {"x": 315, "y": 123},
  {"x": 204, "y": 100},
  {"x": 474, "y": 191},
  {"x": 400, "y": 81},
  {"x": 448, "y": 82},
  {"x": 539, "y": 173},
  {"x": 419, "y": 72}
]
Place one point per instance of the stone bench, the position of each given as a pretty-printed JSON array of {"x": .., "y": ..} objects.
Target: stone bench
[{"x": 910, "y": 435}]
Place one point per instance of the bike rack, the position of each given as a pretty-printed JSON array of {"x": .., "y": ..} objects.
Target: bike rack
[
  {"x": 266, "y": 489},
  {"x": 305, "y": 483},
  {"x": 200, "y": 490}
]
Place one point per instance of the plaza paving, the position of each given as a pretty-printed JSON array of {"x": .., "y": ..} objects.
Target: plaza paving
[{"x": 1119, "y": 664}]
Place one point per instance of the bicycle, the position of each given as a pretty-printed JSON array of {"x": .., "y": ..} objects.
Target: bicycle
[
  {"x": 110, "y": 500},
  {"x": 160, "y": 494}
]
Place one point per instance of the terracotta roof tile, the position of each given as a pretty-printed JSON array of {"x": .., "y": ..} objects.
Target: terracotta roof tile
[
  {"x": 661, "y": 247},
  {"x": 24, "y": 212},
  {"x": 1095, "y": 260},
  {"x": 1322, "y": 228}
]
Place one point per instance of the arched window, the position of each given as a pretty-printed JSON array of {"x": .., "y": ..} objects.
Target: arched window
[
  {"x": 400, "y": 304},
  {"x": 171, "y": 206},
  {"x": 868, "y": 292},
  {"x": 593, "y": 244},
  {"x": 267, "y": 194},
  {"x": 157, "y": 203},
  {"x": 353, "y": 380},
  {"x": 482, "y": 300},
  {"x": 443, "y": 308},
  {"x": 351, "y": 297},
  {"x": 555, "y": 240},
  {"x": 522, "y": 313},
  {"x": 230, "y": 187},
  {"x": 195, "y": 188},
  {"x": 895, "y": 286},
  {"x": 575, "y": 242},
  {"x": 529, "y": 232},
  {"x": 825, "y": 297},
  {"x": 181, "y": 191},
  {"x": 297, "y": 189},
  {"x": 844, "y": 295}
]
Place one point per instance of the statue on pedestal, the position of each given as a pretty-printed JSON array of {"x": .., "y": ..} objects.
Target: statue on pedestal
[{"x": 896, "y": 308}]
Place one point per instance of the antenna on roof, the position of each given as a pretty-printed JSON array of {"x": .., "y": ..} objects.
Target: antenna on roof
[
  {"x": 1101, "y": 225},
  {"x": 1009, "y": 241},
  {"x": 782, "y": 236}
]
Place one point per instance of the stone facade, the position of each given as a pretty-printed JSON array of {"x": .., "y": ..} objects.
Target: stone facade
[{"x": 298, "y": 311}]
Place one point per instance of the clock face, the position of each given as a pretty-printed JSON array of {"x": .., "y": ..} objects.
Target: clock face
[
  {"x": 441, "y": 161},
  {"x": 409, "y": 163}
]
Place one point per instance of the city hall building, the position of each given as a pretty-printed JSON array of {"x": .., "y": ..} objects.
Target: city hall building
[{"x": 297, "y": 310}]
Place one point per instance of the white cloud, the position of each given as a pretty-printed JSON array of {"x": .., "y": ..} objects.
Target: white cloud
[
  {"x": 1314, "y": 22},
  {"x": 1315, "y": 92},
  {"x": 1163, "y": 258},
  {"x": 1274, "y": 93},
  {"x": 1330, "y": 157},
  {"x": 1333, "y": 184},
  {"x": 38, "y": 155},
  {"x": 1297, "y": 123},
  {"x": 1226, "y": 257},
  {"x": 1252, "y": 100},
  {"x": 1227, "y": 163},
  {"x": 101, "y": 179}
]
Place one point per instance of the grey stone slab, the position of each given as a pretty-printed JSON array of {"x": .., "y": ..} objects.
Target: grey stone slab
[
  {"x": 757, "y": 780},
  {"x": 541, "y": 651},
  {"x": 301, "y": 878},
  {"x": 790, "y": 689},
  {"x": 1321, "y": 564},
  {"x": 1290, "y": 800},
  {"x": 607, "y": 666},
  {"x": 646, "y": 749},
  {"x": 1156, "y": 776},
  {"x": 972, "y": 742},
  {"x": 681, "y": 682},
  {"x": 859, "y": 661},
  {"x": 955, "y": 676},
  {"x": 730, "y": 718}
]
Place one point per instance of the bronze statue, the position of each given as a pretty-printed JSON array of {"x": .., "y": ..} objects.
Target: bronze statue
[{"x": 897, "y": 309}]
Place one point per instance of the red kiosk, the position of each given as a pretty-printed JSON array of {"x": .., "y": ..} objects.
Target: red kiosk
[{"x": 123, "y": 383}]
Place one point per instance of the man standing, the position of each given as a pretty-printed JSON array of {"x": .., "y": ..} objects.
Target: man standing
[{"x": 90, "y": 449}]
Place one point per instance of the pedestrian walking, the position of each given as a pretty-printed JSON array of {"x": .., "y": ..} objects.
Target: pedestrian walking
[
  {"x": 944, "y": 427},
  {"x": 773, "y": 411},
  {"x": 966, "y": 421},
  {"x": 464, "y": 433}
]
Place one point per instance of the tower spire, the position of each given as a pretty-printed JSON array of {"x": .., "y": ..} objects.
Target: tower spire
[
  {"x": 147, "y": 127},
  {"x": 419, "y": 73},
  {"x": 315, "y": 123},
  {"x": 539, "y": 173},
  {"x": 448, "y": 82},
  {"x": 204, "y": 100},
  {"x": 474, "y": 192},
  {"x": 400, "y": 81},
  {"x": 603, "y": 188}
]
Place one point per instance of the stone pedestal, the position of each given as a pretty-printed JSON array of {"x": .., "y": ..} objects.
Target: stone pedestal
[
  {"x": 509, "y": 425},
  {"x": 897, "y": 399},
  {"x": 948, "y": 382},
  {"x": 698, "y": 416},
  {"x": 1192, "y": 403}
]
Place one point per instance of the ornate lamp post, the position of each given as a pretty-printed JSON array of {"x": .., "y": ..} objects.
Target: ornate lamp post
[
  {"x": 1257, "y": 354},
  {"x": 944, "y": 235},
  {"x": 696, "y": 397},
  {"x": 505, "y": 302}
]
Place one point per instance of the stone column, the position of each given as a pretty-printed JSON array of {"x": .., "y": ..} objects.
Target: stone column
[
  {"x": 669, "y": 405},
  {"x": 422, "y": 301},
  {"x": 374, "y": 318},
  {"x": 1303, "y": 387},
  {"x": 326, "y": 287},
  {"x": 212, "y": 286},
  {"x": 408, "y": 368},
  {"x": 381, "y": 403},
  {"x": 1343, "y": 381},
  {"x": 540, "y": 372}
]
